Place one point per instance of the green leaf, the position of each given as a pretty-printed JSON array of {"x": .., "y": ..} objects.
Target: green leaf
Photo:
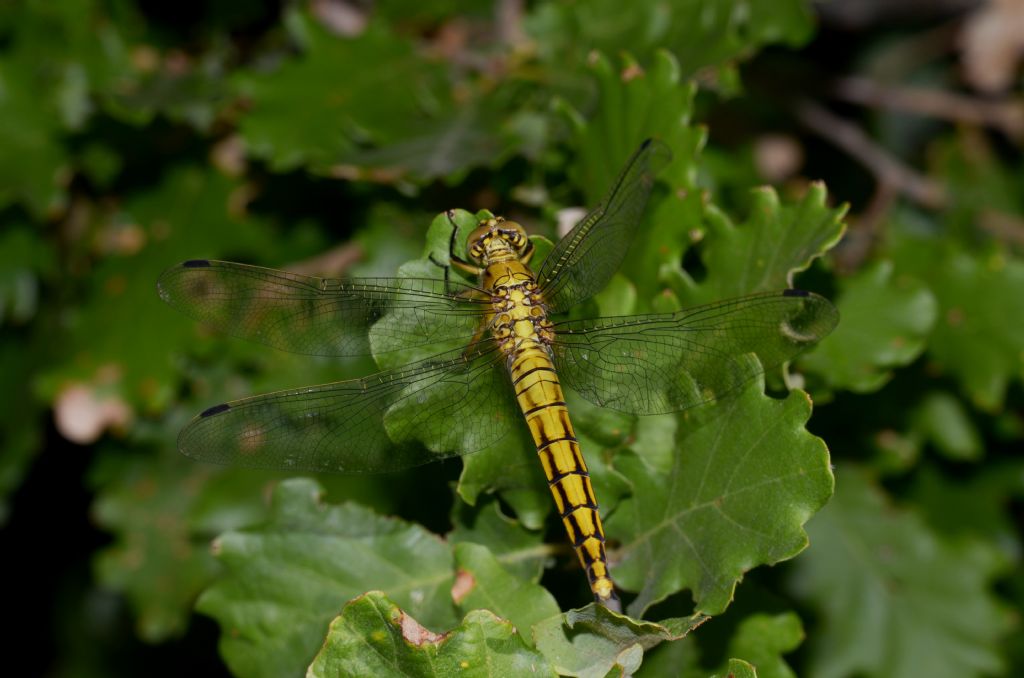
[
  {"x": 517, "y": 549},
  {"x": 33, "y": 134},
  {"x": 744, "y": 478},
  {"x": 591, "y": 641},
  {"x": 481, "y": 132},
  {"x": 24, "y": 262},
  {"x": 286, "y": 580},
  {"x": 762, "y": 639},
  {"x": 481, "y": 583},
  {"x": 885, "y": 323},
  {"x": 316, "y": 108},
  {"x": 738, "y": 668},
  {"x": 633, "y": 105},
  {"x": 763, "y": 253},
  {"x": 980, "y": 330},
  {"x": 58, "y": 57},
  {"x": 894, "y": 598},
  {"x": 193, "y": 92},
  {"x": 158, "y": 508},
  {"x": 941, "y": 419},
  {"x": 510, "y": 468},
  {"x": 375, "y": 637},
  {"x": 699, "y": 34},
  {"x": 122, "y": 329},
  {"x": 978, "y": 506}
]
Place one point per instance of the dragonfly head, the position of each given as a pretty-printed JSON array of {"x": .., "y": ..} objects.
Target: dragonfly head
[{"x": 496, "y": 240}]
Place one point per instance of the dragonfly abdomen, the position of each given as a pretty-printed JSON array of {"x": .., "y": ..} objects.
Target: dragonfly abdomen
[{"x": 542, "y": 401}]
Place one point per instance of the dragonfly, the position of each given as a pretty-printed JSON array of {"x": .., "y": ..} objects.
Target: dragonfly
[{"x": 500, "y": 355}]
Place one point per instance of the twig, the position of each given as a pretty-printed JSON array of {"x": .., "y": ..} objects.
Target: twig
[
  {"x": 1006, "y": 115},
  {"x": 887, "y": 169},
  {"x": 1004, "y": 227}
]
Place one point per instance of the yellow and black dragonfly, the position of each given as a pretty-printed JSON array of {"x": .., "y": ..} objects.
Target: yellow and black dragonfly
[{"x": 507, "y": 359}]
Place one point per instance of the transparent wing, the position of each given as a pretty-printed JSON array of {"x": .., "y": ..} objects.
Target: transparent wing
[
  {"x": 321, "y": 316},
  {"x": 584, "y": 260},
  {"x": 453, "y": 404},
  {"x": 656, "y": 364}
]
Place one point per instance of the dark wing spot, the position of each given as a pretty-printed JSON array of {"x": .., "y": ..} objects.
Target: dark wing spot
[
  {"x": 216, "y": 409},
  {"x": 795, "y": 293},
  {"x": 196, "y": 263}
]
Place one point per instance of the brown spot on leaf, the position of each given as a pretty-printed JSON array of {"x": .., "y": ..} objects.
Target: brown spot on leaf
[
  {"x": 464, "y": 584},
  {"x": 415, "y": 633}
]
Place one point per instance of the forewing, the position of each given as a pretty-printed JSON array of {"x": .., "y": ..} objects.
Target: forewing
[
  {"x": 583, "y": 262},
  {"x": 453, "y": 404},
  {"x": 321, "y": 316},
  {"x": 655, "y": 364}
]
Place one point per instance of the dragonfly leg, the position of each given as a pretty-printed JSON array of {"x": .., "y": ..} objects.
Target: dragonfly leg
[
  {"x": 527, "y": 253},
  {"x": 454, "y": 259}
]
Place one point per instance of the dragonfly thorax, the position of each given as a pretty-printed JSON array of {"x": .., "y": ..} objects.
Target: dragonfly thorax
[{"x": 496, "y": 240}]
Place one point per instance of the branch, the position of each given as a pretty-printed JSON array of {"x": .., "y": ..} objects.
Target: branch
[
  {"x": 886, "y": 168},
  {"x": 1006, "y": 115}
]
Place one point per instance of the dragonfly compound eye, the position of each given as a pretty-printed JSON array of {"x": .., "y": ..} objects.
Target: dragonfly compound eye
[{"x": 514, "y": 235}]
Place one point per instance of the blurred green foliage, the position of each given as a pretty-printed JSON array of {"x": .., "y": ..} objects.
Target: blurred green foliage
[{"x": 328, "y": 137}]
